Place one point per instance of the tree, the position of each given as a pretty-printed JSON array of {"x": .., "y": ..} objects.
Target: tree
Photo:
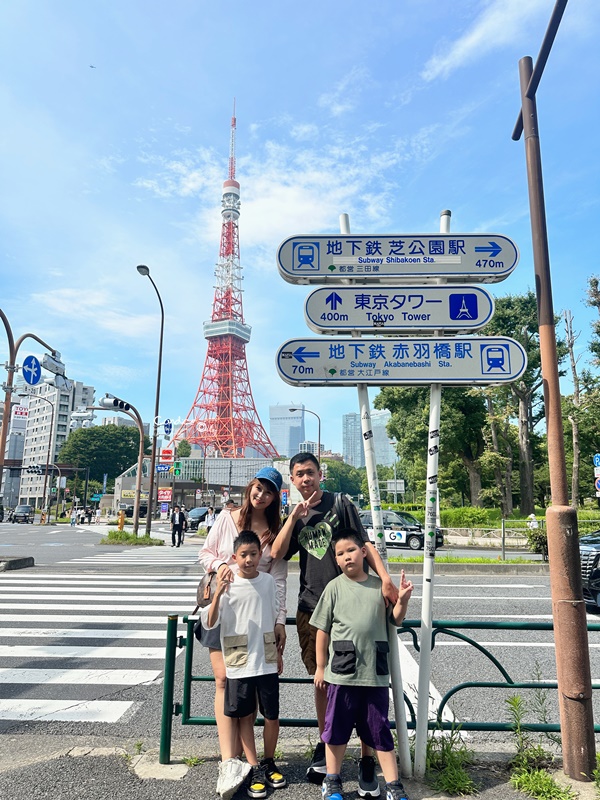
[
  {"x": 463, "y": 416},
  {"x": 342, "y": 477},
  {"x": 105, "y": 449},
  {"x": 184, "y": 449}
]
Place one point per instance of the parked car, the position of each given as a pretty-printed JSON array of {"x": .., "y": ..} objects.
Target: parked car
[
  {"x": 22, "y": 514},
  {"x": 401, "y": 530},
  {"x": 196, "y": 516},
  {"x": 589, "y": 553}
]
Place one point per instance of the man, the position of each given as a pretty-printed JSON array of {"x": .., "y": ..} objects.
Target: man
[
  {"x": 178, "y": 525},
  {"x": 308, "y": 531}
]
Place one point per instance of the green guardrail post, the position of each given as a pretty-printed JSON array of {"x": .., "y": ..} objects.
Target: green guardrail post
[{"x": 166, "y": 725}]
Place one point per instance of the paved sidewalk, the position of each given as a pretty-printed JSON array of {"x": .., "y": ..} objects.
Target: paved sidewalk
[{"x": 44, "y": 767}]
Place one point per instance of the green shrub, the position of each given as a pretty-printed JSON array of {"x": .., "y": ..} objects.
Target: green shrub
[
  {"x": 466, "y": 517},
  {"x": 123, "y": 537}
]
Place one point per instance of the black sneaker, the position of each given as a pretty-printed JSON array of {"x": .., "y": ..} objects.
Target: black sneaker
[
  {"x": 331, "y": 788},
  {"x": 273, "y": 774},
  {"x": 395, "y": 791},
  {"x": 368, "y": 785},
  {"x": 257, "y": 782},
  {"x": 317, "y": 769}
]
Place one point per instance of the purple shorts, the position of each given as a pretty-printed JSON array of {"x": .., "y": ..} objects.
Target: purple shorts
[{"x": 365, "y": 707}]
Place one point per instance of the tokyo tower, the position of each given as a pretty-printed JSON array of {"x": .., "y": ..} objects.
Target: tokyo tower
[{"x": 223, "y": 419}]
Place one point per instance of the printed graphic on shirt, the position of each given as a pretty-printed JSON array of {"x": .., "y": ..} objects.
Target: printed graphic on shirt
[{"x": 315, "y": 540}]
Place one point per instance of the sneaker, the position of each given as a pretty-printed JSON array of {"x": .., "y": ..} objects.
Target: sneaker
[
  {"x": 395, "y": 791},
  {"x": 232, "y": 773},
  {"x": 317, "y": 769},
  {"x": 331, "y": 788},
  {"x": 368, "y": 785},
  {"x": 272, "y": 773},
  {"x": 258, "y": 782}
]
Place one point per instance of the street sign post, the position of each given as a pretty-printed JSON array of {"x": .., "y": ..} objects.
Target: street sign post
[
  {"x": 167, "y": 455},
  {"x": 484, "y": 258},
  {"x": 163, "y": 467},
  {"x": 383, "y": 309},
  {"x": 476, "y": 360},
  {"x": 168, "y": 426},
  {"x": 32, "y": 370}
]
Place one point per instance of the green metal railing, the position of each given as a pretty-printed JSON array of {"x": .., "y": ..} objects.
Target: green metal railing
[{"x": 451, "y": 628}]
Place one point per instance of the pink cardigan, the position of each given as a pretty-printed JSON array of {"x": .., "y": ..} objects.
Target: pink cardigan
[{"x": 218, "y": 549}]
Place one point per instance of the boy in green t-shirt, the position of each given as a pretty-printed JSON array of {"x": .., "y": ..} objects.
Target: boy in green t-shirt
[{"x": 352, "y": 663}]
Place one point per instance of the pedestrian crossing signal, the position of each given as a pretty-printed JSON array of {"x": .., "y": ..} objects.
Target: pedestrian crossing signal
[{"x": 177, "y": 468}]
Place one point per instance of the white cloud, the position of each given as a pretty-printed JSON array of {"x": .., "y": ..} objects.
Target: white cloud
[
  {"x": 345, "y": 95},
  {"x": 502, "y": 23}
]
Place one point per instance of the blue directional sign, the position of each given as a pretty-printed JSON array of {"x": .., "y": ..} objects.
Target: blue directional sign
[
  {"x": 414, "y": 257},
  {"x": 168, "y": 426},
  {"x": 597, "y": 460},
  {"x": 460, "y": 360},
  {"x": 163, "y": 467},
  {"x": 398, "y": 309},
  {"x": 32, "y": 370}
]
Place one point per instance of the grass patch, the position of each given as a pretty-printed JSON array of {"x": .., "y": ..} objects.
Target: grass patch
[
  {"x": 446, "y": 765},
  {"x": 450, "y": 559},
  {"x": 123, "y": 537},
  {"x": 538, "y": 783}
]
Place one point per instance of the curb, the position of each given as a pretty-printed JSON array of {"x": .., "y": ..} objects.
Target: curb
[{"x": 15, "y": 562}]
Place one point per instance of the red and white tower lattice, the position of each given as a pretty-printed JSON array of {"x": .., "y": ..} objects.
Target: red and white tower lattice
[{"x": 223, "y": 418}]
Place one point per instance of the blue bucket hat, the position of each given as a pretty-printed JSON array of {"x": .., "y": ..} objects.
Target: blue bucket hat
[{"x": 272, "y": 475}]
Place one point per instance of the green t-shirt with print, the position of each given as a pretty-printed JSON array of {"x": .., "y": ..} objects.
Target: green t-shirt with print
[{"x": 354, "y": 615}]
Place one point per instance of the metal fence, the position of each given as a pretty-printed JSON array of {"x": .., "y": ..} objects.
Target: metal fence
[{"x": 452, "y": 628}]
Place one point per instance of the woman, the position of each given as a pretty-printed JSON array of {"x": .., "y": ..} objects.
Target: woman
[{"x": 259, "y": 512}]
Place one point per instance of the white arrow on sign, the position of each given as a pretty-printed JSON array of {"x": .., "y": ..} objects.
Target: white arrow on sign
[
  {"x": 460, "y": 360},
  {"x": 426, "y": 257},
  {"x": 384, "y": 309}
]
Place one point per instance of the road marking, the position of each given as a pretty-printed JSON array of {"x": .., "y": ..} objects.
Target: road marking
[
  {"x": 59, "y": 651},
  {"x": 71, "y": 677},
  {"x": 68, "y": 590},
  {"x": 77, "y": 576},
  {"x": 438, "y": 643},
  {"x": 97, "y": 581},
  {"x": 410, "y": 683},
  {"x": 83, "y": 633},
  {"x": 110, "y": 595},
  {"x": 64, "y": 710},
  {"x": 48, "y": 619},
  {"x": 169, "y": 609}
]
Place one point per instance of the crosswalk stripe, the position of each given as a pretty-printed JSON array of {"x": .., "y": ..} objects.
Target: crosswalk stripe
[
  {"x": 68, "y": 590},
  {"x": 49, "y": 619},
  {"x": 82, "y": 633},
  {"x": 110, "y": 595},
  {"x": 59, "y": 651},
  {"x": 117, "y": 583},
  {"x": 77, "y": 577},
  {"x": 171, "y": 608},
  {"x": 72, "y": 677},
  {"x": 64, "y": 710}
]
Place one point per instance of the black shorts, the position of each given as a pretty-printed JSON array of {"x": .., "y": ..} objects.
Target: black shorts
[{"x": 241, "y": 694}]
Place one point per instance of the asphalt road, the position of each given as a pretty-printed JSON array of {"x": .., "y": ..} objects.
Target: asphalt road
[{"x": 82, "y": 645}]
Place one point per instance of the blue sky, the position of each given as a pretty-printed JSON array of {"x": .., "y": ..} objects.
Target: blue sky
[{"x": 390, "y": 111}]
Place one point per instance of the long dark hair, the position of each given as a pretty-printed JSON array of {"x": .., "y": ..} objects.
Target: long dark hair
[{"x": 272, "y": 511}]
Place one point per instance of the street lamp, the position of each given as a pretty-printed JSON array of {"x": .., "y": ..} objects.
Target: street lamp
[
  {"x": 52, "y": 363},
  {"x": 314, "y": 413},
  {"x": 145, "y": 271},
  {"x": 113, "y": 403}
]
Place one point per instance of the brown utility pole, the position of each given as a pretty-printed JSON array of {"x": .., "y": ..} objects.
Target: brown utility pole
[{"x": 568, "y": 607}]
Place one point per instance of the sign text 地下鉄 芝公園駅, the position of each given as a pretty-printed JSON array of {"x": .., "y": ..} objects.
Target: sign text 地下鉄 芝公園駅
[
  {"x": 386, "y": 309},
  {"x": 458, "y": 360},
  {"x": 456, "y": 257}
]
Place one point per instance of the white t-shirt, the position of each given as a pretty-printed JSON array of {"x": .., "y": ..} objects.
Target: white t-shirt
[{"x": 247, "y": 615}]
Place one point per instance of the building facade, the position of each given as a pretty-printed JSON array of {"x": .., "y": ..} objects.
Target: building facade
[
  {"x": 384, "y": 450},
  {"x": 286, "y": 428},
  {"x": 352, "y": 447},
  {"x": 48, "y": 426}
]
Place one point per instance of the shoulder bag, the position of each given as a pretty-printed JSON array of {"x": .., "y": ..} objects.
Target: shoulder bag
[{"x": 206, "y": 590}]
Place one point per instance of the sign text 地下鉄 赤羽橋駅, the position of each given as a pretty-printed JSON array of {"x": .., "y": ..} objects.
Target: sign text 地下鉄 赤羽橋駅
[
  {"x": 458, "y": 360},
  {"x": 387, "y": 309},
  {"x": 457, "y": 257}
]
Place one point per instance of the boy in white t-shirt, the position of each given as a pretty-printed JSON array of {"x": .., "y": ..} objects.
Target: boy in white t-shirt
[{"x": 246, "y": 609}]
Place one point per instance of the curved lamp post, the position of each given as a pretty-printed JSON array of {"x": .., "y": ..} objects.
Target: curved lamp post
[
  {"x": 109, "y": 402},
  {"x": 314, "y": 413},
  {"x": 11, "y": 368},
  {"x": 145, "y": 271}
]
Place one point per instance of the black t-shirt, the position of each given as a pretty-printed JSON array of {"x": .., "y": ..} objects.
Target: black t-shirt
[{"x": 311, "y": 538}]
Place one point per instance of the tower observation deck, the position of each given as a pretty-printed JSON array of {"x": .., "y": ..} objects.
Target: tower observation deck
[{"x": 223, "y": 419}]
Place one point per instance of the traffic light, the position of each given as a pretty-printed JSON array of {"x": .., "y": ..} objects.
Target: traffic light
[
  {"x": 177, "y": 468},
  {"x": 113, "y": 402},
  {"x": 34, "y": 469}
]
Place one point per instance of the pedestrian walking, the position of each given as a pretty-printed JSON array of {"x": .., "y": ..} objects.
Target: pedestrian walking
[{"x": 178, "y": 525}]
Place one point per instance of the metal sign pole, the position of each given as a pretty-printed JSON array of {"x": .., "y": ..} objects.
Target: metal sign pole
[
  {"x": 431, "y": 514},
  {"x": 377, "y": 518}
]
